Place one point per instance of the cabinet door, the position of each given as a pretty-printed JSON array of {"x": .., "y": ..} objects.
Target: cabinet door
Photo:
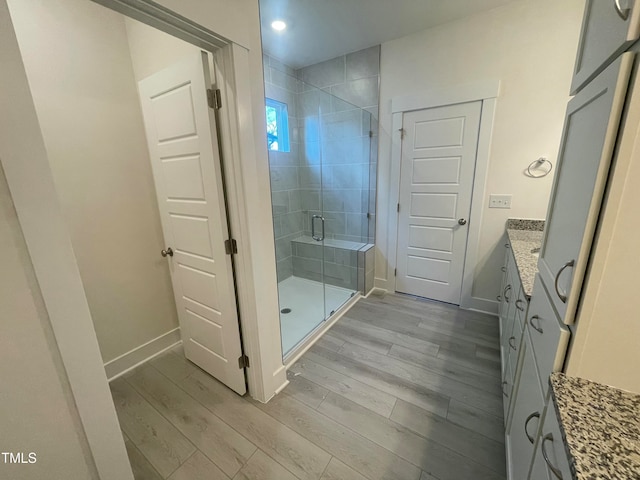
[
  {"x": 509, "y": 296},
  {"x": 515, "y": 294},
  {"x": 514, "y": 348},
  {"x": 608, "y": 28},
  {"x": 549, "y": 337},
  {"x": 588, "y": 140},
  {"x": 539, "y": 470},
  {"x": 528, "y": 405},
  {"x": 551, "y": 447},
  {"x": 507, "y": 391},
  {"x": 502, "y": 303}
]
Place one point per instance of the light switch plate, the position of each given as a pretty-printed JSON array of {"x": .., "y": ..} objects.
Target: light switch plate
[{"x": 499, "y": 201}]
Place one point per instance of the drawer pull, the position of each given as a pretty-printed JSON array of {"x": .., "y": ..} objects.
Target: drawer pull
[
  {"x": 504, "y": 269},
  {"x": 623, "y": 12},
  {"x": 507, "y": 289},
  {"x": 526, "y": 424},
  {"x": 518, "y": 305},
  {"x": 512, "y": 345},
  {"x": 555, "y": 470},
  {"x": 503, "y": 392},
  {"x": 537, "y": 328},
  {"x": 562, "y": 297},
  {"x": 506, "y": 245}
]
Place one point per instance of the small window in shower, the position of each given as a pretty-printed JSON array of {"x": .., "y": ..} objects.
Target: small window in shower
[{"x": 277, "y": 126}]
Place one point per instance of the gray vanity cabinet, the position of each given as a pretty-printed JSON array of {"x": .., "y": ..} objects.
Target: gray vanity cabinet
[
  {"x": 590, "y": 137},
  {"x": 528, "y": 407},
  {"x": 550, "y": 456},
  {"x": 608, "y": 28},
  {"x": 542, "y": 351},
  {"x": 512, "y": 315},
  {"x": 588, "y": 141}
]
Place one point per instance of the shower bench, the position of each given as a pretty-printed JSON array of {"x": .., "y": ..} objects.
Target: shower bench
[{"x": 341, "y": 263}]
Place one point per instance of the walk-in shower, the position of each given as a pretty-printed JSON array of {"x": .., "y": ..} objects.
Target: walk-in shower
[{"x": 322, "y": 165}]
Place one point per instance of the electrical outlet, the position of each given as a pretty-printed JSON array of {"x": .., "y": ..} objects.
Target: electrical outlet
[{"x": 499, "y": 201}]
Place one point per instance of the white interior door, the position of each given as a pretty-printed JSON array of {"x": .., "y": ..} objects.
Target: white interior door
[
  {"x": 186, "y": 165},
  {"x": 436, "y": 180}
]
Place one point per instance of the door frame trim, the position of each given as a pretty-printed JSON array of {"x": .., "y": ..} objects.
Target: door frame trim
[{"x": 486, "y": 92}]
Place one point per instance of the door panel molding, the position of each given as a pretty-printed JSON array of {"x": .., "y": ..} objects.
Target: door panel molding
[
  {"x": 176, "y": 115},
  {"x": 487, "y": 93},
  {"x": 451, "y": 132}
]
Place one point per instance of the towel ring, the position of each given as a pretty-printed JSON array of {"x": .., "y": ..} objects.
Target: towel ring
[{"x": 536, "y": 164}]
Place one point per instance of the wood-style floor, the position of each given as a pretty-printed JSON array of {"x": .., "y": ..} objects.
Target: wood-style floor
[{"x": 400, "y": 388}]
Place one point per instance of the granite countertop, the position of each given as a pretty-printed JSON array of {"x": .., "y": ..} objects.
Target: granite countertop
[
  {"x": 525, "y": 236},
  {"x": 600, "y": 428}
]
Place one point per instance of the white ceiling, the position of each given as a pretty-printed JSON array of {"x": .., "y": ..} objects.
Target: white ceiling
[{"x": 318, "y": 30}]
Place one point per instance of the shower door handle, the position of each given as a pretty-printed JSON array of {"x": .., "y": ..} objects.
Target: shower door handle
[{"x": 317, "y": 238}]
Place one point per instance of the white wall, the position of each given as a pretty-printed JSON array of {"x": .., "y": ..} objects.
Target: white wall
[
  {"x": 530, "y": 47},
  {"x": 152, "y": 50},
  {"x": 81, "y": 78},
  {"x": 26, "y": 166},
  {"x": 38, "y": 414}
]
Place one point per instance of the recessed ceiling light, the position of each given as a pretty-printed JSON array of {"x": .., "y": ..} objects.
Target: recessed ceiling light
[{"x": 278, "y": 25}]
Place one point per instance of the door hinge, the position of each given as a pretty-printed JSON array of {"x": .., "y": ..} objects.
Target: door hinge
[
  {"x": 402, "y": 133},
  {"x": 230, "y": 247},
  {"x": 395, "y": 272},
  {"x": 214, "y": 98},
  {"x": 398, "y": 208},
  {"x": 243, "y": 361},
  {"x": 370, "y": 133}
]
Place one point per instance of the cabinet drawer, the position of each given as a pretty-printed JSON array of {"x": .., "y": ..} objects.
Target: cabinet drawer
[
  {"x": 505, "y": 280},
  {"x": 507, "y": 321},
  {"x": 551, "y": 447},
  {"x": 521, "y": 306},
  {"x": 507, "y": 388},
  {"x": 528, "y": 408},
  {"x": 539, "y": 470},
  {"x": 608, "y": 28},
  {"x": 513, "y": 349},
  {"x": 549, "y": 337}
]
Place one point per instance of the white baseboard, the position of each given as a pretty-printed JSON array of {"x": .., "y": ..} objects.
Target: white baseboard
[
  {"x": 381, "y": 284},
  {"x": 282, "y": 374},
  {"x": 139, "y": 355},
  {"x": 482, "y": 305},
  {"x": 376, "y": 291}
]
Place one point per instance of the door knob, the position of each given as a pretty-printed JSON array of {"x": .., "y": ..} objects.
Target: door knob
[
  {"x": 168, "y": 251},
  {"x": 462, "y": 221}
]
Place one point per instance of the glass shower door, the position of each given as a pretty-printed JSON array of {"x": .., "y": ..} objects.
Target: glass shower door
[
  {"x": 345, "y": 140},
  {"x": 292, "y": 116},
  {"x": 320, "y": 182}
]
